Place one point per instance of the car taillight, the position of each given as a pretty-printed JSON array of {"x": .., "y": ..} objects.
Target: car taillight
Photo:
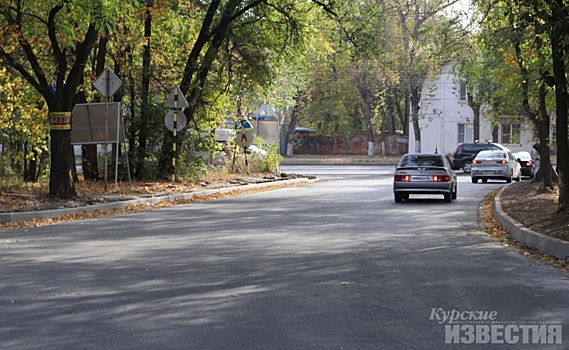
[
  {"x": 503, "y": 161},
  {"x": 476, "y": 161},
  {"x": 528, "y": 163},
  {"x": 441, "y": 178},
  {"x": 404, "y": 178}
]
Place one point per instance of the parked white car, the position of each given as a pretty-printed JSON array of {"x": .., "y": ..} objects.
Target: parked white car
[{"x": 495, "y": 165}]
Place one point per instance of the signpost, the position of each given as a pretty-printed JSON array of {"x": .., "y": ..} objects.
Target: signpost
[
  {"x": 90, "y": 125},
  {"x": 107, "y": 83},
  {"x": 176, "y": 100},
  {"x": 244, "y": 129}
]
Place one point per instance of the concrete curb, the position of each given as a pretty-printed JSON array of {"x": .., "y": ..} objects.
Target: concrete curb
[
  {"x": 546, "y": 244},
  {"x": 49, "y": 214}
]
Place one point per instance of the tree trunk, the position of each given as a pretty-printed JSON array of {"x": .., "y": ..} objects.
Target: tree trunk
[
  {"x": 369, "y": 129},
  {"x": 71, "y": 156},
  {"x": 90, "y": 162},
  {"x": 545, "y": 174},
  {"x": 292, "y": 124},
  {"x": 495, "y": 130},
  {"x": 144, "y": 96},
  {"x": 542, "y": 125},
  {"x": 414, "y": 100},
  {"x": 475, "y": 117},
  {"x": 561, "y": 116},
  {"x": 60, "y": 180},
  {"x": 389, "y": 109}
]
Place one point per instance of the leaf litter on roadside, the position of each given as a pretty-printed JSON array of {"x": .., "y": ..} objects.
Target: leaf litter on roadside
[
  {"x": 132, "y": 208},
  {"x": 496, "y": 231}
]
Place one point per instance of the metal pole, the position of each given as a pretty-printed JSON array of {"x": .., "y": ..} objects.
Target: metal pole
[
  {"x": 117, "y": 150},
  {"x": 126, "y": 153},
  {"x": 107, "y": 89},
  {"x": 244, "y": 144},
  {"x": 175, "y": 134}
]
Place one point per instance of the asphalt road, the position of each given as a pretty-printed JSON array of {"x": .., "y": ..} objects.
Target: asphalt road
[{"x": 335, "y": 265}]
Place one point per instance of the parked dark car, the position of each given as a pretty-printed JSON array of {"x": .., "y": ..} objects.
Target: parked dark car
[
  {"x": 466, "y": 152},
  {"x": 527, "y": 162},
  {"x": 424, "y": 173}
]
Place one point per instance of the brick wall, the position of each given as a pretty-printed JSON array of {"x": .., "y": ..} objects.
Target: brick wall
[{"x": 308, "y": 143}]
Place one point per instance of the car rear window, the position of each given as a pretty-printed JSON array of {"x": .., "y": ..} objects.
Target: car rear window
[
  {"x": 491, "y": 154},
  {"x": 484, "y": 146},
  {"x": 421, "y": 160},
  {"x": 522, "y": 155}
]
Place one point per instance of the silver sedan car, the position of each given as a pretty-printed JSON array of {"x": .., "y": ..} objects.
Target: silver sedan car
[
  {"x": 495, "y": 165},
  {"x": 424, "y": 173}
]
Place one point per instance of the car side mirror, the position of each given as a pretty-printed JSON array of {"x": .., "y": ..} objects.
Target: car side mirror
[{"x": 518, "y": 159}]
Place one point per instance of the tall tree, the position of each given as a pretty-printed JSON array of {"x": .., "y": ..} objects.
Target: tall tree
[
  {"x": 420, "y": 23},
  {"x": 557, "y": 19},
  {"x": 71, "y": 28},
  {"x": 523, "y": 37}
]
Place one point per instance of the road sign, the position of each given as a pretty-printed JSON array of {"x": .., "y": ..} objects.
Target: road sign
[
  {"x": 245, "y": 139},
  {"x": 176, "y": 99},
  {"x": 243, "y": 124},
  {"x": 169, "y": 121},
  {"x": 107, "y": 83}
]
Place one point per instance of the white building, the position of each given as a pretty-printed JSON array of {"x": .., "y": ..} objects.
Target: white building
[{"x": 446, "y": 119}]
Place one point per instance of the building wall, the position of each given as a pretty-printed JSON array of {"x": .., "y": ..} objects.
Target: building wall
[{"x": 441, "y": 113}]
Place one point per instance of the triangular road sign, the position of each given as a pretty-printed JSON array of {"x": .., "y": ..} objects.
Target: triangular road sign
[
  {"x": 243, "y": 124},
  {"x": 176, "y": 99}
]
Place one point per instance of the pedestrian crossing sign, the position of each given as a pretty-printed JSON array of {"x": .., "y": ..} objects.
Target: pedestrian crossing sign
[{"x": 243, "y": 124}]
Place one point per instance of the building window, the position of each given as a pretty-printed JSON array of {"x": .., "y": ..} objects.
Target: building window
[
  {"x": 465, "y": 134},
  {"x": 511, "y": 133},
  {"x": 462, "y": 91}
]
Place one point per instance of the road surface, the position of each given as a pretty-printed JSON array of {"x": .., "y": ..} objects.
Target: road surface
[{"x": 334, "y": 265}]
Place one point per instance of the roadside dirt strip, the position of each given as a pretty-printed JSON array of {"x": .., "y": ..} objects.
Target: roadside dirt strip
[{"x": 533, "y": 239}]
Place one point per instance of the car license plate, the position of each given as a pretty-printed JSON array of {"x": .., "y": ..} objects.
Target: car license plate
[
  {"x": 488, "y": 172},
  {"x": 421, "y": 178}
]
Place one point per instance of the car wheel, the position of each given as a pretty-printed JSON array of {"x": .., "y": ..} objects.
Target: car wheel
[
  {"x": 474, "y": 180},
  {"x": 484, "y": 180},
  {"x": 531, "y": 175},
  {"x": 467, "y": 166},
  {"x": 405, "y": 197},
  {"x": 454, "y": 193},
  {"x": 509, "y": 178},
  {"x": 398, "y": 197},
  {"x": 447, "y": 198}
]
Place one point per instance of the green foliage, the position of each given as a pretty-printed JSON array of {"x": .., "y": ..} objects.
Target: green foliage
[
  {"x": 273, "y": 158},
  {"x": 273, "y": 53},
  {"x": 560, "y": 234},
  {"x": 23, "y": 129}
]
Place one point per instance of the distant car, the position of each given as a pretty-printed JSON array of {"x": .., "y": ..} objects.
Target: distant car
[
  {"x": 466, "y": 152},
  {"x": 424, "y": 173},
  {"x": 256, "y": 151},
  {"x": 527, "y": 162},
  {"x": 495, "y": 165}
]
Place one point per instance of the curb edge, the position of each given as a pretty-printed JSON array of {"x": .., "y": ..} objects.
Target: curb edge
[
  {"x": 49, "y": 214},
  {"x": 533, "y": 239}
]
